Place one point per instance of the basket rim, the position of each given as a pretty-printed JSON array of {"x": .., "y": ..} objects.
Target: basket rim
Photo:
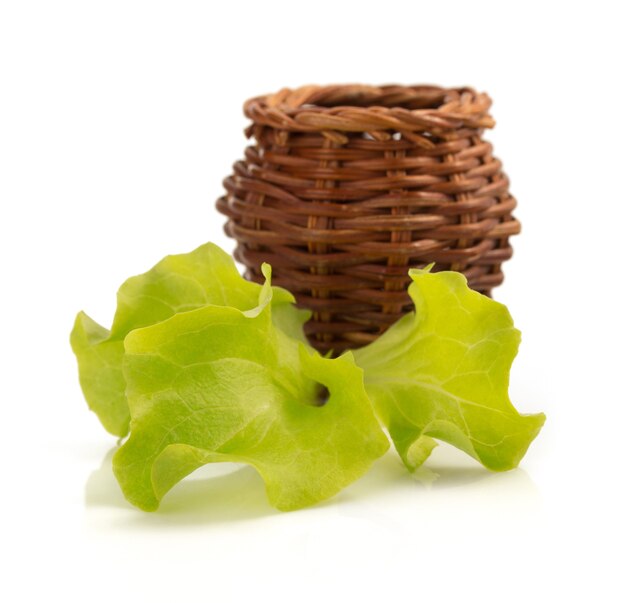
[{"x": 367, "y": 108}]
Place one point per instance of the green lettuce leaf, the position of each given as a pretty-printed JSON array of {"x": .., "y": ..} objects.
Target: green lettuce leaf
[
  {"x": 221, "y": 384},
  {"x": 443, "y": 372},
  {"x": 178, "y": 283}
]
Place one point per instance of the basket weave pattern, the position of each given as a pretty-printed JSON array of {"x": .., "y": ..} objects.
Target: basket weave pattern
[{"x": 346, "y": 187}]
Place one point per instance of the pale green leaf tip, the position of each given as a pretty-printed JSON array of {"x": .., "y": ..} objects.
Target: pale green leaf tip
[
  {"x": 535, "y": 423},
  {"x": 418, "y": 452},
  {"x": 86, "y": 331},
  {"x": 414, "y": 272},
  {"x": 75, "y": 333},
  {"x": 452, "y": 277},
  {"x": 266, "y": 270},
  {"x": 265, "y": 295}
]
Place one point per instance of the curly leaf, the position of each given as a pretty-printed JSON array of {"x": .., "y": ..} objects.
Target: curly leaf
[
  {"x": 178, "y": 283},
  {"x": 443, "y": 372},
  {"x": 220, "y": 384}
]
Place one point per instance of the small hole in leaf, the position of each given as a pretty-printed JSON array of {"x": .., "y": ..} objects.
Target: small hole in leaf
[{"x": 321, "y": 395}]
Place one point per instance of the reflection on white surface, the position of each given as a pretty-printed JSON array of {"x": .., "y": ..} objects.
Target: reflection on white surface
[
  {"x": 214, "y": 493},
  {"x": 223, "y": 492}
]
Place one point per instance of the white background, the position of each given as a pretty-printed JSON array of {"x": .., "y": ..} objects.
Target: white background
[{"x": 118, "y": 121}]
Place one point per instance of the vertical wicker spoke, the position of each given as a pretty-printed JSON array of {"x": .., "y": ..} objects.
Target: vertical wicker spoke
[
  {"x": 321, "y": 223},
  {"x": 464, "y": 218},
  {"x": 397, "y": 236}
]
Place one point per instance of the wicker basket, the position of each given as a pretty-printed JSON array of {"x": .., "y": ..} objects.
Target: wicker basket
[{"x": 346, "y": 187}]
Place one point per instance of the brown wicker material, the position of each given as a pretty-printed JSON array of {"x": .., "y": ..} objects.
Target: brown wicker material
[{"x": 349, "y": 186}]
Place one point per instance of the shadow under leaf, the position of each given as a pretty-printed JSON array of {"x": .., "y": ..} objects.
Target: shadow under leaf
[
  {"x": 221, "y": 492},
  {"x": 214, "y": 493}
]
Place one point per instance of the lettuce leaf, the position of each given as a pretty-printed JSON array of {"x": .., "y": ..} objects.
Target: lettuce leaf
[
  {"x": 221, "y": 384},
  {"x": 178, "y": 283},
  {"x": 203, "y": 366},
  {"x": 443, "y": 372}
]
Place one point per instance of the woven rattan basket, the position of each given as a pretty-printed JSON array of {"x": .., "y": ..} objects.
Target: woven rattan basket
[{"x": 346, "y": 187}]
